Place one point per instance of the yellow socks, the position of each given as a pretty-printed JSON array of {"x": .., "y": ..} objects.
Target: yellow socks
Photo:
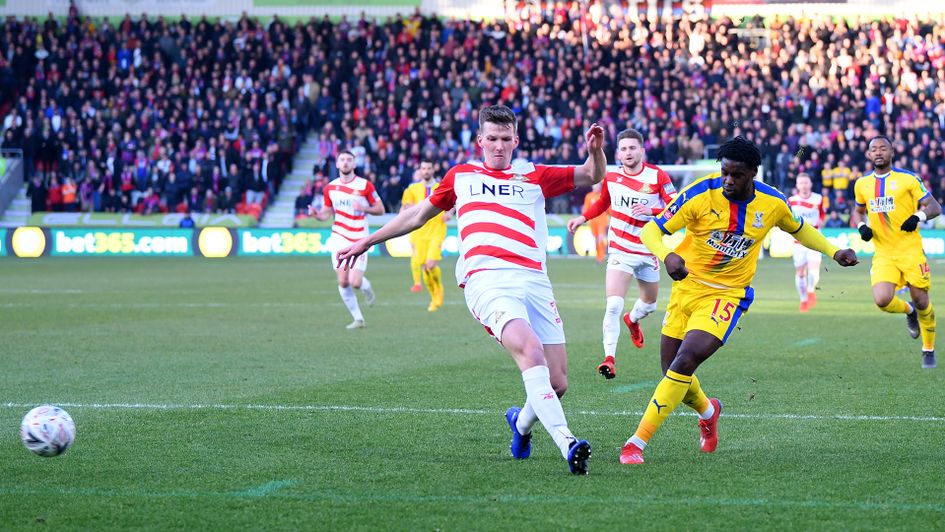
[
  {"x": 434, "y": 281},
  {"x": 927, "y": 327},
  {"x": 695, "y": 398},
  {"x": 896, "y": 306},
  {"x": 416, "y": 265},
  {"x": 669, "y": 393}
]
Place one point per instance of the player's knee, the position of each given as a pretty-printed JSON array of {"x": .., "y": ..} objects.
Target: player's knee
[
  {"x": 883, "y": 300},
  {"x": 614, "y": 305},
  {"x": 686, "y": 362},
  {"x": 344, "y": 284}
]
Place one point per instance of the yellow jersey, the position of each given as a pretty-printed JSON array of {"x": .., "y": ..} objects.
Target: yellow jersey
[
  {"x": 413, "y": 195},
  {"x": 842, "y": 177},
  {"x": 724, "y": 237},
  {"x": 889, "y": 200}
]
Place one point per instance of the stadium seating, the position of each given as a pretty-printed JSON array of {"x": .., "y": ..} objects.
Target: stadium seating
[{"x": 91, "y": 98}]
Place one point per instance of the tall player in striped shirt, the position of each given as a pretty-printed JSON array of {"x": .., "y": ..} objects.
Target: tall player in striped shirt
[
  {"x": 350, "y": 199},
  {"x": 808, "y": 206},
  {"x": 634, "y": 194},
  {"x": 503, "y": 233}
]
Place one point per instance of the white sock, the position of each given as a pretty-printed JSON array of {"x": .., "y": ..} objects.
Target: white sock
[
  {"x": 544, "y": 400},
  {"x": 365, "y": 285},
  {"x": 526, "y": 419},
  {"x": 612, "y": 324},
  {"x": 641, "y": 310},
  {"x": 638, "y": 442},
  {"x": 709, "y": 412},
  {"x": 801, "y": 284},
  {"x": 813, "y": 277},
  {"x": 351, "y": 301}
]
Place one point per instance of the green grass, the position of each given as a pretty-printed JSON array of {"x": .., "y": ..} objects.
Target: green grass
[{"x": 257, "y": 410}]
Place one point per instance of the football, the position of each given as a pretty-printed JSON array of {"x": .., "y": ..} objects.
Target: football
[{"x": 47, "y": 430}]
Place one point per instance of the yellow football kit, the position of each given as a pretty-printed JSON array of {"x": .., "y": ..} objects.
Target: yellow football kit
[
  {"x": 721, "y": 246},
  {"x": 427, "y": 242},
  {"x": 889, "y": 200}
]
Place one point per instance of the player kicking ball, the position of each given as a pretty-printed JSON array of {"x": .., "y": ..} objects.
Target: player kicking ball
[
  {"x": 726, "y": 219},
  {"x": 634, "y": 194},
  {"x": 500, "y": 215}
]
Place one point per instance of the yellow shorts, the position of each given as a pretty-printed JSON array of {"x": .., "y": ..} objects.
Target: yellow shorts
[
  {"x": 695, "y": 306},
  {"x": 900, "y": 271},
  {"x": 428, "y": 249}
]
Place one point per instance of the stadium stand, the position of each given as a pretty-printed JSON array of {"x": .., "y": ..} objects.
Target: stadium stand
[{"x": 146, "y": 115}]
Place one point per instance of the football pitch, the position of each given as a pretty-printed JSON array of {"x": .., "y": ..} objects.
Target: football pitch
[{"x": 226, "y": 394}]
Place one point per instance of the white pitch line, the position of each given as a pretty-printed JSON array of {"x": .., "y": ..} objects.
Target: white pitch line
[{"x": 452, "y": 411}]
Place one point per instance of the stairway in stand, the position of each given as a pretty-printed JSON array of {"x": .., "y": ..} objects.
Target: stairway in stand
[
  {"x": 18, "y": 212},
  {"x": 281, "y": 211}
]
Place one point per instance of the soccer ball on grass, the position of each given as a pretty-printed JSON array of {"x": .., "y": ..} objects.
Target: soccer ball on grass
[{"x": 47, "y": 430}]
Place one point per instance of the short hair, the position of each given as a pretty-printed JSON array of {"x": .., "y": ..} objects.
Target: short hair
[
  {"x": 803, "y": 174},
  {"x": 498, "y": 114},
  {"x": 344, "y": 152},
  {"x": 880, "y": 137},
  {"x": 630, "y": 134},
  {"x": 428, "y": 161},
  {"x": 742, "y": 150}
]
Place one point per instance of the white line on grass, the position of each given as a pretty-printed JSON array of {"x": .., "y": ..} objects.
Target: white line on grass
[
  {"x": 450, "y": 411},
  {"x": 642, "y": 500}
]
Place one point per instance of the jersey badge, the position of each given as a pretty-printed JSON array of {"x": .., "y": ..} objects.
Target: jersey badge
[{"x": 758, "y": 223}]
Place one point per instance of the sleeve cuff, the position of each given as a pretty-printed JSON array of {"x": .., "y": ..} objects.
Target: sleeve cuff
[{"x": 659, "y": 223}]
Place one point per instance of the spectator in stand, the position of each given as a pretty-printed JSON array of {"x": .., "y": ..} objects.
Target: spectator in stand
[
  {"x": 226, "y": 203},
  {"x": 37, "y": 193},
  {"x": 54, "y": 199},
  {"x": 834, "y": 220},
  {"x": 305, "y": 198}
]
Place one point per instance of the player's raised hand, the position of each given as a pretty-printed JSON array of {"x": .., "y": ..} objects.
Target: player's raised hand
[
  {"x": 594, "y": 137},
  {"x": 348, "y": 255},
  {"x": 676, "y": 267},
  {"x": 574, "y": 223},
  {"x": 846, "y": 257}
]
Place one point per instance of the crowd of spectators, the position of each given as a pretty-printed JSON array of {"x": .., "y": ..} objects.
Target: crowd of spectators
[
  {"x": 116, "y": 109},
  {"x": 148, "y": 115}
]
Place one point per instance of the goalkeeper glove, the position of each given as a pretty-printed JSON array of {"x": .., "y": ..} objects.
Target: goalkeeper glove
[{"x": 865, "y": 232}]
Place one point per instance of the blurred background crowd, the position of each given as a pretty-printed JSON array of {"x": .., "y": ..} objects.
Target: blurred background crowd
[{"x": 155, "y": 115}]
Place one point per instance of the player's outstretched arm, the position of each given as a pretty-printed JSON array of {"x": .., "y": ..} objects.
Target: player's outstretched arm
[
  {"x": 405, "y": 222},
  {"x": 594, "y": 168},
  {"x": 813, "y": 239},
  {"x": 652, "y": 237}
]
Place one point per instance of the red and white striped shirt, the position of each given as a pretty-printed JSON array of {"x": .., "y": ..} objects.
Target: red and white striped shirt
[
  {"x": 501, "y": 214},
  {"x": 348, "y": 201},
  {"x": 651, "y": 188},
  {"x": 810, "y": 209}
]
